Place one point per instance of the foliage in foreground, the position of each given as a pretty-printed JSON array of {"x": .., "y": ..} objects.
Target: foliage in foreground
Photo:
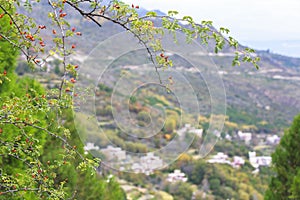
[
  {"x": 38, "y": 158},
  {"x": 286, "y": 165}
]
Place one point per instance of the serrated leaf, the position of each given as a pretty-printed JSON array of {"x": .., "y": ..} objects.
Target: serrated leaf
[{"x": 151, "y": 14}]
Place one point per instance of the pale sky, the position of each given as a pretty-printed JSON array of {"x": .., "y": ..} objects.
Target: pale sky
[{"x": 252, "y": 22}]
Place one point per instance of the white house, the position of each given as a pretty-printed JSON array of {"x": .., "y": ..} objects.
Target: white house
[
  {"x": 264, "y": 161},
  {"x": 197, "y": 132},
  {"x": 228, "y": 137},
  {"x": 151, "y": 160},
  {"x": 219, "y": 158},
  {"x": 257, "y": 161},
  {"x": 237, "y": 162},
  {"x": 112, "y": 153},
  {"x": 247, "y": 137},
  {"x": 177, "y": 175},
  {"x": 90, "y": 146},
  {"x": 147, "y": 164},
  {"x": 274, "y": 139}
]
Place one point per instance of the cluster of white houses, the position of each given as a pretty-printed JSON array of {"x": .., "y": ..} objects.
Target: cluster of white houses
[
  {"x": 145, "y": 164},
  {"x": 248, "y": 138},
  {"x": 149, "y": 162},
  {"x": 222, "y": 158},
  {"x": 237, "y": 161}
]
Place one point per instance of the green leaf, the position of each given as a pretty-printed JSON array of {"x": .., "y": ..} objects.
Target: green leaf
[
  {"x": 172, "y": 13},
  {"x": 188, "y": 19},
  {"x": 151, "y": 14}
]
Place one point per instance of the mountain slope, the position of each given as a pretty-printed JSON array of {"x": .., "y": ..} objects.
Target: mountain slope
[{"x": 268, "y": 98}]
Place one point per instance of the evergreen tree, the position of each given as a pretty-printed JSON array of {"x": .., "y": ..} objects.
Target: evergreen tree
[{"x": 286, "y": 164}]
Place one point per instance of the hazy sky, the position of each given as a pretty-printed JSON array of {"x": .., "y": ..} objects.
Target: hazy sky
[{"x": 253, "y": 22}]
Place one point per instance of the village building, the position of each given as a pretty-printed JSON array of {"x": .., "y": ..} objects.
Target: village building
[
  {"x": 90, "y": 146},
  {"x": 147, "y": 164},
  {"x": 114, "y": 153},
  {"x": 246, "y": 137},
  {"x": 237, "y": 162},
  {"x": 273, "y": 140},
  {"x": 177, "y": 176},
  {"x": 257, "y": 161},
  {"x": 220, "y": 158},
  {"x": 197, "y": 132}
]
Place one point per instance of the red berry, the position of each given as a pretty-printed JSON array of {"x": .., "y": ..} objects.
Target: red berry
[
  {"x": 63, "y": 15},
  {"x": 73, "y": 80},
  {"x": 42, "y": 43},
  {"x": 42, "y": 26},
  {"x": 73, "y": 46},
  {"x": 73, "y": 29}
]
